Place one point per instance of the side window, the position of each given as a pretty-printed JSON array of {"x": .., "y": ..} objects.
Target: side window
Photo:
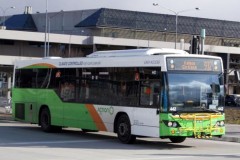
[
  {"x": 85, "y": 84},
  {"x": 109, "y": 86},
  {"x": 35, "y": 78},
  {"x": 17, "y": 82},
  {"x": 150, "y": 86},
  {"x": 125, "y": 86},
  {"x": 95, "y": 85},
  {"x": 67, "y": 83},
  {"x": 25, "y": 78},
  {"x": 42, "y": 77},
  {"x": 104, "y": 86}
]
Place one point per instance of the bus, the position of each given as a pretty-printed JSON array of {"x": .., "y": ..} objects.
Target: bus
[{"x": 164, "y": 93}]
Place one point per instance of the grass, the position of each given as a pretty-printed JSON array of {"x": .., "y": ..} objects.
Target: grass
[{"x": 232, "y": 115}]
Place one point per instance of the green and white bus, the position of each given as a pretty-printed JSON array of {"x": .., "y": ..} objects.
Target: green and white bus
[{"x": 163, "y": 93}]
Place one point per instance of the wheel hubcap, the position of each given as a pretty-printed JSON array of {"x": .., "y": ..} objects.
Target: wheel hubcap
[{"x": 123, "y": 129}]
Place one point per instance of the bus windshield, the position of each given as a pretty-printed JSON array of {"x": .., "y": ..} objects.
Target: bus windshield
[{"x": 199, "y": 92}]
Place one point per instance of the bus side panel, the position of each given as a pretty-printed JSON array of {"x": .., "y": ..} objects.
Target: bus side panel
[
  {"x": 31, "y": 112},
  {"x": 24, "y": 105},
  {"x": 79, "y": 116},
  {"x": 94, "y": 117},
  {"x": 27, "y": 104},
  {"x": 102, "y": 117},
  {"x": 105, "y": 115},
  {"x": 146, "y": 122},
  {"x": 49, "y": 98}
]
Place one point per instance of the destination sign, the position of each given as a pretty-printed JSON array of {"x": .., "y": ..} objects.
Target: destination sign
[{"x": 194, "y": 64}]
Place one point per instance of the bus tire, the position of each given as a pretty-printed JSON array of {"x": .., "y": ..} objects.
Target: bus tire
[
  {"x": 45, "y": 120},
  {"x": 124, "y": 130},
  {"x": 177, "y": 139}
]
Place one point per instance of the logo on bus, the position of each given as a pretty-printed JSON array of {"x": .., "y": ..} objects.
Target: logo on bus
[{"x": 104, "y": 110}]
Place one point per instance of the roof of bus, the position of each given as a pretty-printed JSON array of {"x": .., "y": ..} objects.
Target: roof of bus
[
  {"x": 148, "y": 60},
  {"x": 136, "y": 52}
]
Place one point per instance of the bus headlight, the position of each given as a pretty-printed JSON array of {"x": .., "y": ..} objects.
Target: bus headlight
[
  {"x": 173, "y": 124},
  {"x": 220, "y": 123},
  {"x": 169, "y": 124}
]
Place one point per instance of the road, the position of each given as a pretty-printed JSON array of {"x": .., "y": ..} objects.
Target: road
[{"x": 25, "y": 141}]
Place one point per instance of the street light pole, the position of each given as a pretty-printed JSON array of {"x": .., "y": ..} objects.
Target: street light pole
[
  {"x": 4, "y": 13},
  {"x": 176, "y": 18},
  {"x": 46, "y": 28},
  {"x": 49, "y": 27},
  {"x": 176, "y": 32}
]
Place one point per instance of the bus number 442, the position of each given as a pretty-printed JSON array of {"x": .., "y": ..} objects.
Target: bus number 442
[{"x": 173, "y": 108}]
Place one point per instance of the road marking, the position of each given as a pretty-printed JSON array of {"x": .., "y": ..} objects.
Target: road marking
[{"x": 50, "y": 142}]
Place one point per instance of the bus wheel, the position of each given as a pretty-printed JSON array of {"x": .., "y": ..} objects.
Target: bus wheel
[
  {"x": 177, "y": 139},
  {"x": 124, "y": 130},
  {"x": 45, "y": 120}
]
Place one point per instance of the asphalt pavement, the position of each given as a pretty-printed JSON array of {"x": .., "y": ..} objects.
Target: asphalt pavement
[
  {"x": 232, "y": 134},
  {"x": 232, "y": 130}
]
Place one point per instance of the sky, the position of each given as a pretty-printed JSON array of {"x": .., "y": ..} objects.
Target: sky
[{"x": 212, "y": 9}]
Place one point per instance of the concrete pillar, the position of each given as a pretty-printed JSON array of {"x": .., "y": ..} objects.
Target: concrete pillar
[
  {"x": 182, "y": 44},
  {"x": 9, "y": 82}
]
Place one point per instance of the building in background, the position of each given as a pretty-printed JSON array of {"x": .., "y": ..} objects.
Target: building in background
[{"x": 79, "y": 33}]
